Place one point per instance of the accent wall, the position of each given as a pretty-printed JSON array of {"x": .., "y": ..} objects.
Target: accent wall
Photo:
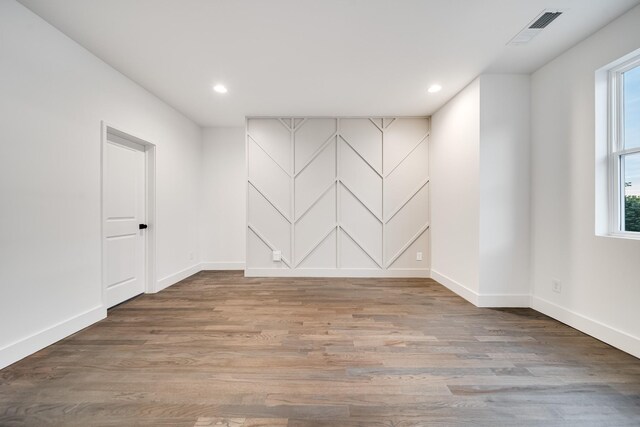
[{"x": 338, "y": 196}]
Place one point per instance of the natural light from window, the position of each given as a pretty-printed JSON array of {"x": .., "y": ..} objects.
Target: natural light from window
[{"x": 630, "y": 162}]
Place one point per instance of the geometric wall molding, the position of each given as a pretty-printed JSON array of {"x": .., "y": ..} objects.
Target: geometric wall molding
[{"x": 338, "y": 195}]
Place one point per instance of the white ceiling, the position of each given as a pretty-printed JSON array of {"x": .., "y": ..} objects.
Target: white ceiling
[{"x": 317, "y": 57}]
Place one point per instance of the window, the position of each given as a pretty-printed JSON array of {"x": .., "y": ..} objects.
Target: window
[{"x": 624, "y": 147}]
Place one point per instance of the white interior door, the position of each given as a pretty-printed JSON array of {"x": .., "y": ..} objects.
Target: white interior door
[{"x": 124, "y": 213}]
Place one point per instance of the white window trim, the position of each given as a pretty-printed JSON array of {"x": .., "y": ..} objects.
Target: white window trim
[{"x": 615, "y": 139}]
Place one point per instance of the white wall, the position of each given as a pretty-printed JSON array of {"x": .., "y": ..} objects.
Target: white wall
[
  {"x": 504, "y": 191},
  {"x": 338, "y": 196},
  {"x": 455, "y": 174},
  {"x": 480, "y": 192},
  {"x": 600, "y": 276},
  {"x": 54, "y": 95},
  {"x": 223, "y": 208}
]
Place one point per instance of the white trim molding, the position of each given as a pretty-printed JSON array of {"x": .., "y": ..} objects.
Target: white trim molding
[
  {"x": 218, "y": 265},
  {"x": 611, "y": 149},
  {"x": 504, "y": 300},
  {"x": 176, "y": 277},
  {"x": 455, "y": 287},
  {"x": 114, "y": 134},
  {"x": 18, "y": 350},
  {"x": 332, "y": 272},
  {"x": 27, "y": 346},
  {"x": 612, "y": 336},
  {"x": 479, "y": 299}
]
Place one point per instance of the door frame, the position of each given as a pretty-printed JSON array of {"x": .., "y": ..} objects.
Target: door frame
[{"x": 150, "y": 285}]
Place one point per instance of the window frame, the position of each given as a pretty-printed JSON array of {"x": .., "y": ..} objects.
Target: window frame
[{"x": 616, "y": 150}]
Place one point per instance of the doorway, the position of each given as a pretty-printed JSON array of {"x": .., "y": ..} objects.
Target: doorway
[{"x": 128, "y": 213}]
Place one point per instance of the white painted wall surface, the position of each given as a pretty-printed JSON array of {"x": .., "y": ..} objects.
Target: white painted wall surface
[
  {"x": 600, "y": 276},
  {"x": 455, "y": 151},
  {"x": 505, "y": 187},
  {"x": 54, "y": 95},
  {"x": 223, "y": 209},
  {"x": 480, "y": 192}
]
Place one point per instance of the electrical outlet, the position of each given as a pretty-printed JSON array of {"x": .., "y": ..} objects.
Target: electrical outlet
[
  {"x": 191, "y": 256},
  {"x": 276, "y": 256},
  {"x": 556, "y": 286},
  {"x": 418, "y": 256}
]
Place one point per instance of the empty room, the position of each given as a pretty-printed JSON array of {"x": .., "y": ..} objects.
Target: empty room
[{"x": 335, "y": 213}]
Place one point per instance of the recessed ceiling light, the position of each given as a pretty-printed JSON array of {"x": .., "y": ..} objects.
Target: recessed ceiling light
[
  {"x": 434, "y": 89},
  {"x": 220, "y": 88}
]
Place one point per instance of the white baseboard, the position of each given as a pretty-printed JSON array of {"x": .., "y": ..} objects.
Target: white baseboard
[
  {"x": 455, "y": 287},
  {"x": 482, "y": 300},
  {"x": 596, "y": 329},
  {"x": 176, "y": 277},
  {"x": 615, "y": 337},
  {"x": 215, "y": 265},
  {"x": 504, "y": 300},
  {"x": 33, "y": 343},
  {"x": 181, "y": 275},
  {"x": 335, "y": 272},
  {"x": 626, "y": 342},
  {"x": 26, "y": 346}
]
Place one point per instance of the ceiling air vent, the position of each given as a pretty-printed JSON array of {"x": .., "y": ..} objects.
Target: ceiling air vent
[
  {"x": 545, "y": 19},
  {"x": 538, "y": 24}
]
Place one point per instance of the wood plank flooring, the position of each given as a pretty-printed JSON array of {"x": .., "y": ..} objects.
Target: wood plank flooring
[{"x": 219, "y": 349}]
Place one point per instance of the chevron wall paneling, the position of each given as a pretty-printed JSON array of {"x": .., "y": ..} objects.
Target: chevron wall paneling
[{"x": 338, "y": 196}]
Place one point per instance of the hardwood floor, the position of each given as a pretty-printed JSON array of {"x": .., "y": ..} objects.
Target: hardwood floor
[{"x": 219, "y": 349}]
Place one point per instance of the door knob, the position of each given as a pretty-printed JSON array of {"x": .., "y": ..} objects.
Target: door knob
[{"x": 142, "y": 226}]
